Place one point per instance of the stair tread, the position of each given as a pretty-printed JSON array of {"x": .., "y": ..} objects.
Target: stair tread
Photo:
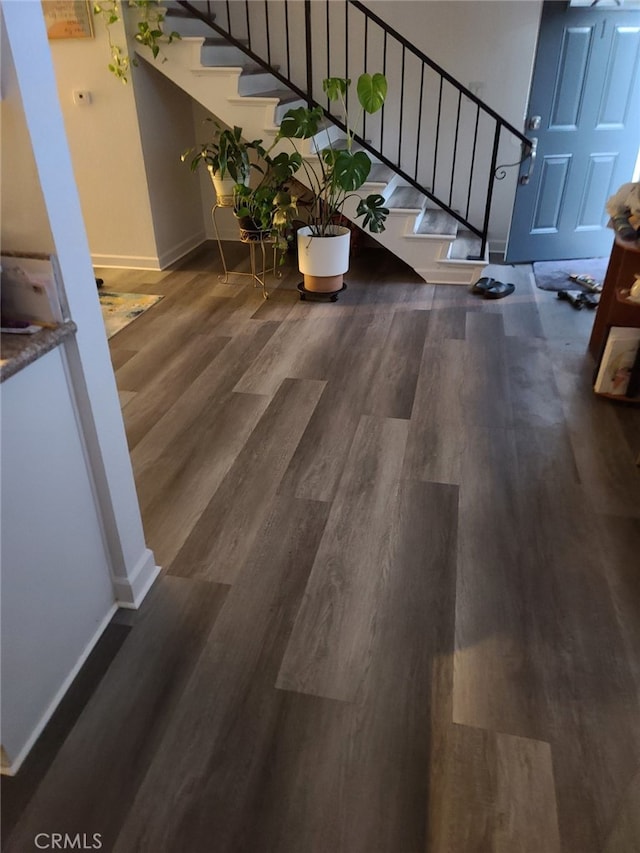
[
  {"x": 285, "y": 96},
  {"x": 186, "y": 24},
  {"x": 251, "y": 69},
  {"x": 464, "y": 245},
  {"x": 180, "y": 12},
  {"x": 405, "y": 198},
  {"x": 438, "y": 222},
  {"x": 219, "y": 41}
]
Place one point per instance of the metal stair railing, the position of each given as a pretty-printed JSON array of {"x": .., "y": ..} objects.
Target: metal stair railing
[{"x": 432, "y": 131}]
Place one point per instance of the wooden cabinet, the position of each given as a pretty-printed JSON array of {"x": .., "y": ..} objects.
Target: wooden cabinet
[{"x": 614, "y": 309}]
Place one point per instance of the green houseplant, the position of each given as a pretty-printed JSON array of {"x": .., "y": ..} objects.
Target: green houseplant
[
  {"x": 269, "y": 207},
  {"x": 228, "y": 159},
  {"x": 263, "y": 210},
  {"x": 335, "y": 176}
]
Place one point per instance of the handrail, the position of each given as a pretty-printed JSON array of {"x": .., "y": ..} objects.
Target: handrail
[{"x": 441, "y": 140}]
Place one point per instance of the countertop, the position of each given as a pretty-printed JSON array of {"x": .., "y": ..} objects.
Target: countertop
[{"x": 17, "y": 351}]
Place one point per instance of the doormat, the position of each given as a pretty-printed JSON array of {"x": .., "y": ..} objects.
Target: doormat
[
  {"x": 554, "y": 275},
  {"x": 120, "y": 309}
]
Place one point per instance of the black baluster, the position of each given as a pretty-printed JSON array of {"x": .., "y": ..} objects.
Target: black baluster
[
  {"x": 487, "y": 208},
  {"x": 346, "y": 51},
  {"x": 384, "y": 71},
  {"x": 328, "y": 41},
  {"x": 266, "y": 19},
  {"x": 401, "y": 106},
  {"x": 286, "y": 30},
  {"x": 435, "y": 148},
  {"x": 419, "y": 131},
  {"x": 473, "y": 161},
  {"x": 366, "y": 37},
  {"x": 307, "y": 33},
  {"x": 455, "y": 149}
]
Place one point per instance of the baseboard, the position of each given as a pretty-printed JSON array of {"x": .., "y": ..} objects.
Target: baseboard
[
  {"x": 144, "y": 262},
  {"x": 10, "y": 766},
  {"x": 181, "y": 249},
  {"x": 462, "y": 276},
  {"x": 498, "y": 247},
  {"x": 130, "y": 591},
  {"x": 126, "y": 262}
]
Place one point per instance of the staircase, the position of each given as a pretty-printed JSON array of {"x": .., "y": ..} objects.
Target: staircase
[{"x": 241, "y": 68}]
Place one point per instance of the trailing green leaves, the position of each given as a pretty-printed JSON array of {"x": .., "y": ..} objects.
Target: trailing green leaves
[{"x": 149, "y": 32}]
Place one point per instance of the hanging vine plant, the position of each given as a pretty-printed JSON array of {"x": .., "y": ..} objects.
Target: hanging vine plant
[{"x": 149, "y": 32}]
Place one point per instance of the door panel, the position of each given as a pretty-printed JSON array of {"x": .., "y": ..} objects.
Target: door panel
[
  {"x": 565, "y": 108},
  {"x": 600, "y": 170},
  {"x": 618, "y": 90},
  {"x": 586, "y": 88},
  {"x": 552, "y": 187}
]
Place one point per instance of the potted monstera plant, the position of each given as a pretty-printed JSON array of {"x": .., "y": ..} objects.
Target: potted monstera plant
[{"x": 334, "y": 176}]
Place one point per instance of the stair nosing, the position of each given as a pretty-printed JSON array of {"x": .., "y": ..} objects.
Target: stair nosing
[{"x": 220, "y": 41}]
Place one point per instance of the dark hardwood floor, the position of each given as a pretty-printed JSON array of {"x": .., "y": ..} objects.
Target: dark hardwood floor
[{"x": 400, "y": 605}]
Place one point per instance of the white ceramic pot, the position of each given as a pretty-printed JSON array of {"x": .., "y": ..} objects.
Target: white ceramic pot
[
  {"x": 324, "y": 257},
  {"x": 223, "y": 187}
]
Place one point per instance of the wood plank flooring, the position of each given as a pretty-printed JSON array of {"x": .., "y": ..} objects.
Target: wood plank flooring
[{"x": 400, "y": 604}]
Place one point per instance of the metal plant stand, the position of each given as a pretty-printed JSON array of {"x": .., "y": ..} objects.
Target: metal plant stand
[{"x": 258, "y": 272}]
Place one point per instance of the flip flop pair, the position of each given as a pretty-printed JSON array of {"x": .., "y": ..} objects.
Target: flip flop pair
[
  {"x": 491, "y": 288},
  {"x": 586, "y": 281}
]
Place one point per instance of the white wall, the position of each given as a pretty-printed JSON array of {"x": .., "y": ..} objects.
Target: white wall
[
  {"x": 62, "y": 427},
  {"x": 488, "y": 41},
  {"x": 166, "y": 123},
  {"x": 106, "y": 152},
  {"x": 139, "y": 209},
  {"x": 491, "y": 42},
  {"x": 57, "y": 593}
]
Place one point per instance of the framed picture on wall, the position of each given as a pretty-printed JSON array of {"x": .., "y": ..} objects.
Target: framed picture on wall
[{"x": 68, "y": 19}]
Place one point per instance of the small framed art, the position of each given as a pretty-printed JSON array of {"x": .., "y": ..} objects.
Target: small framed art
[{"x": 68, "y": 19}]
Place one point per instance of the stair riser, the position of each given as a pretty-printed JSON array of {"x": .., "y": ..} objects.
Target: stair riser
[
  {"x": 214, "y": 55},
  {"x": 413, "y": 252},
  {"x": 254, "y": 84},
  {"x": 282, "y": 109},
  {"x": 187, "y": 26}
]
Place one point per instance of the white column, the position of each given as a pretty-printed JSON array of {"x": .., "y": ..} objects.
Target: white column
[{"x": 91, "y": 375}]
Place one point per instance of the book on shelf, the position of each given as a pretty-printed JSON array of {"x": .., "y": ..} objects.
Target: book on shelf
[
  {"x": 619, "y": 366},
  {"x": 31, "y": 290},
  {"x": 633, "y": 387}
]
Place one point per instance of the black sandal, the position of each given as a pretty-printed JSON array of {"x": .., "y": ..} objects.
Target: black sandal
[
  {"x": 499, "y": 289},
  {"x": 483, "y": 284}
]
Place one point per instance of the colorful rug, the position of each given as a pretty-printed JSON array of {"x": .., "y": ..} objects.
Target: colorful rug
[
  {"x": 120, "y": 309},
  {"x": 554, "y": 275}
]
